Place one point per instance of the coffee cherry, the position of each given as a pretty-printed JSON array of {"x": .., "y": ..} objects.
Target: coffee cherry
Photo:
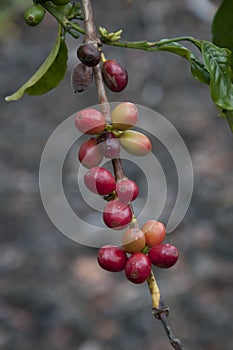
[
  {"x": 81, "y": 77},
  {"x": 135, "y": 143},
  {"x": 114, "y": 75},
  {"x": 124, "y": 116},
  {"x": 109, "y": 145},
  {"x": 127, "y": 190},
  {"x": 100, "y": 181},
  {"x": 163, "y": 255},
  {"x": 60, "y": 2},
  {"x": 133, "y": 240},
  {"x": 90, "y": 121},
  {"x": 64, "y": 10},
  {"x": 117, "y": 215},
  {"x": 89, "y": 154},
  {"x": 89, "y": 55},
  {"x": 34, "y": 15},
  {"x": 138, "y": 268},
  {"x": 112, "y": 258},
  {"x": 154, "y": 231}
]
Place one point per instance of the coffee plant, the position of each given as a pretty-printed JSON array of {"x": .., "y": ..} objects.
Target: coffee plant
[{"x": 142, "y": 248}]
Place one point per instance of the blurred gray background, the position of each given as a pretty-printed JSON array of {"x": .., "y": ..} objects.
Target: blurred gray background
[{"x": 53, "y": 295}]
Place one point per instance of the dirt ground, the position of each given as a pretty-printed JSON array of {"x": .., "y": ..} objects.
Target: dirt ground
[{"x": 53, "y": 295}]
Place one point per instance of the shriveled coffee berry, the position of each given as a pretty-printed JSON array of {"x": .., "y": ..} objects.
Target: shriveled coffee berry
[
  {"x": 154, "y": 231},
  {"x": 163, "y": 255},
  {"x": 89, "y": 55},
  {"x": 100, "y": 181},
  {"x": 90, "y": 121},
  {"x": 124, "y": 116},
  {"x": 127, "y": 190},
  {"x": 114, "y": 75},
  {"x": 117, "y": 215},
  {"x": 112, "y": 258},
  {"x": 135, "y": 143},
  {"x": 89, "y": 154},
  {"x": 133, "y": 240},
  {"x": 109, "y": 145},
  {"x": 81, "y": 77},
  {"x": 138, "y": 268}
]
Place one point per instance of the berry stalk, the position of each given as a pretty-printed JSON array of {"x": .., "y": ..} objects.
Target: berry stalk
[{"x": 157, "y": 306}]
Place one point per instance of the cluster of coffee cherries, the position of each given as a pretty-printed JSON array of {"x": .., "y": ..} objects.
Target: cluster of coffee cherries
[
  {"x": 140, "y": 249},
  {"x": 114, "y": 75},
  {"x": 143, "y": 245}
]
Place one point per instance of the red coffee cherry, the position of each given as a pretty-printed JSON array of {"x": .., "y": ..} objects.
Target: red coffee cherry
[
  {"x": 89, "y": 154},
  {"x": 138, "y": 268},
  {"x": 114, "y": 75},
  {"x": 109, "y": 145},
  {"x": 100, "y": 181},
  {"x": 127, "y": 190},
  {"x": 133, "y": 240},
  {"x": 124, "y": 116},
  {"x": 90, "y": 121},
  {"x": 163, "y": 255},
  {"x": 117, "y": 215},
  {"x": 135, "y": 143},
  {"x": 154, "y": 231},
  {"x": 89, "y": 55},
  {"x": 81, "y": 77},
  {"x": 112, "y": 258}
]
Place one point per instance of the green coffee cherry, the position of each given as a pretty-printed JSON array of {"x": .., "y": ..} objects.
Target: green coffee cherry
[
  {"x": 60, "y": 2},
  {"x": 65, "y": 10},
  {"x": 34, "y": 15}
]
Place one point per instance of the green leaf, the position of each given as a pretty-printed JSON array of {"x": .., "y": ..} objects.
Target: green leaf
[
  {"x": 222, "y": 26},
  {"x": 217, "y": 62},
  {"x": 229, "y": 118},
  {"x": 48, "y": 75}
]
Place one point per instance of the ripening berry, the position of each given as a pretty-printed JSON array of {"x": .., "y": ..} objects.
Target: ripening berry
[
  {"x": 135, "y": 143},
  {"x": 133, "y": 240},
  {"x": 138, "y": 268},
  {"x": 90, "y": 121},
  {"x": 124, "y": 116},
  {"x": 89, "y": 154},
  {"x": 109, "y": 145},
  {"x": 127, "y": 190},
  {"x": 117, "y": 215},
  {"x": 81, "y": 77},
  {"x": 34, "y": 15},
  {"x": 154, "y": 231},
  {"x": 100, "y": 181},
  {"x": 112, "y": 258},
  {"x": 163, "y": 255},
  {"x": 114, "y": 75},
  {"x": 89, "y": 55}
]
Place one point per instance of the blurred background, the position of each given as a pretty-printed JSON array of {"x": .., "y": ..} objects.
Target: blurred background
[{"x": 53, "y": 295}]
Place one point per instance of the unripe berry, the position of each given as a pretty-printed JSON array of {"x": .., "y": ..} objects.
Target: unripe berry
[
  {"x": 109, "y": 145},
  {"x": 100, "y": 181},
  {"x": 163, "y": 255},
  {"x": 34, "y": 15},
  {"x": 117, "y": 215},
  {"x": 154, "y": 231},
  {"x": 112, "y": 258},
  {"x": 138, "y": 268},
  {"x": 90, "y": 121},
  {"x": 89, "y": 55},
  {"x": 114, "y": 75},
  {"x": 127, "y": 190},
  {"x": 124, "y": 116},
  {"x": 89, "y": 154},
  {"x": 135, "y": 143},
  {"x": 81, "y": 77},
  {"x": 133, "y": 240}
]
